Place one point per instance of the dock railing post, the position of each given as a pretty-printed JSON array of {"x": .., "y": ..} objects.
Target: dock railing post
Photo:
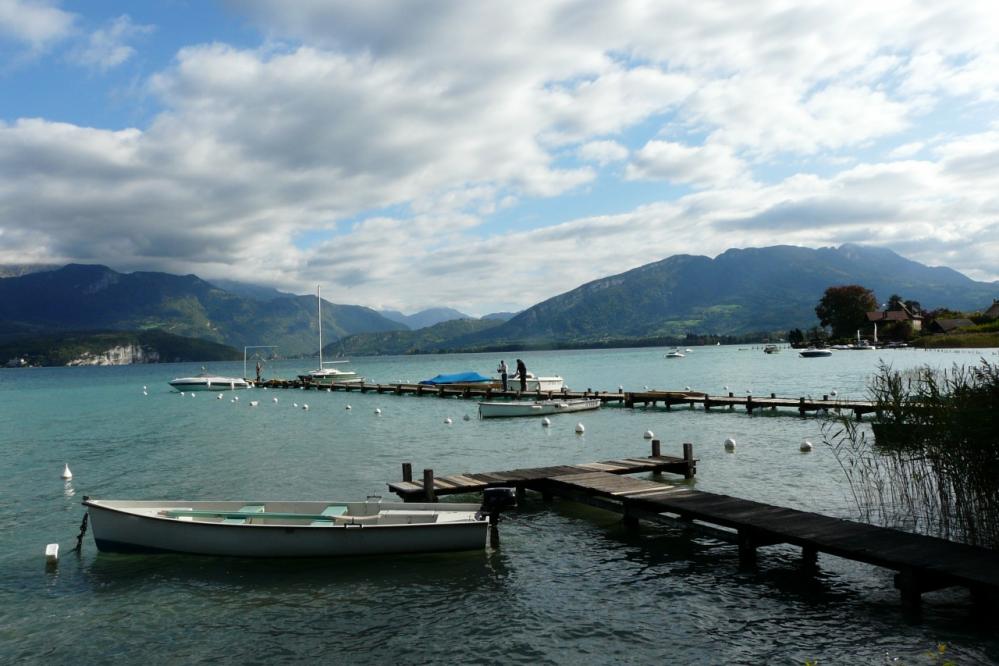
[
  {"x": 656, "y": 448},
  {"x": 428, "y": 485},
  {"x": 688, "y": 457}
]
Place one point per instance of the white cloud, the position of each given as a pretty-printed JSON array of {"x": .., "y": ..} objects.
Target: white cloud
[
  {"x": 35, "y": 23},
  {"x": 107, "y": 48},
  {"x": 603, "y": 152},
  {"x": 701, "y": 166}
]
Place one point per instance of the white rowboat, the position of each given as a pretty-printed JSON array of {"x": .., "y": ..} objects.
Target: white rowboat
[
  {"x": 284, "y": 528},
  {"x": 495, "y": 409}
]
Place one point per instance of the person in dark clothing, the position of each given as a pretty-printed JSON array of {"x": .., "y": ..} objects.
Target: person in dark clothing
[
  {"x": 504, "y": 374},
  {"x": 522, "y": 372}
]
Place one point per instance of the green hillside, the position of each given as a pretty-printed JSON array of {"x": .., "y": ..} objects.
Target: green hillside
[
  {"x": 156, "y": 346},
  {"x": 427, "y": 340}
]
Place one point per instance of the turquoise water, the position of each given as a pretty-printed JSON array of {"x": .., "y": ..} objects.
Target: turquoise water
[{"x": 568, "y": 584}]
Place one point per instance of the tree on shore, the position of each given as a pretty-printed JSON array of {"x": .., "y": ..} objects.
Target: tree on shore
[{"x": 845, "y": 309}]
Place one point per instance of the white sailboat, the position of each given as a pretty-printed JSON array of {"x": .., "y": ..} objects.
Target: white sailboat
[{"x": 324, "y": 376}]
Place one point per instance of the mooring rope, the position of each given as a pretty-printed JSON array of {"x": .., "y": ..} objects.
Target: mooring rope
[{"x": 83, "y": 531}]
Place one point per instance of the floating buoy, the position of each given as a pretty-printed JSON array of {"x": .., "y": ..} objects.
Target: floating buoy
[
  {"x": 294, "y": 404},
  {"x": 219, "y": 397},
  {"x": 143, "y": 388},
  {"x": 52, "y": 553},
  {"x": 275, "y": 399},
  {"x": 254, "y": 403},
  {"x": 686, "y": 388},
  {"x": 546, "y": 422},
  {"x": 144, "y": 392},
  {"x": 377, "y": 410},
  {"x": 448, "y": 420},
  {"x": 730, "y": 444},
  {"x": 349, "y": 407},
  {"x": 725, "y": 387},
  {"x": 834, "y": 393},
  {"x": 620, "y": 387},
  {"x": 232, "y": 401},
  {"x": 329, "y": 390},
  {"x": 466, "y": 417},
  {"x": 749, "y": 392},
  {"x": 305, "y": 407},
  {"x": 182, "y": 393},
  {"x": 648, "y": 434},
  {"x": 66, "y": 474},
  {"x": 235, "y": 397},
  {"x": 806, "y": 446},
  {"x": 646, "y": 387},
  {"x": 580, "y": 429},
  {"x": 193, "y": 395}
]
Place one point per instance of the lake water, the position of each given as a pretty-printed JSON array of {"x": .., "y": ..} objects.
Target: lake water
[{"x": 568, "y": 585}]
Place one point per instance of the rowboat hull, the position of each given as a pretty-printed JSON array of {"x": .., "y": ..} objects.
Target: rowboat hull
[
  {"x": 379, "y": 528},
  {"x": 488, "y": 410}
]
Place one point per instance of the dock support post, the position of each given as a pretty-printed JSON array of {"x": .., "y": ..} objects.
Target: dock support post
[
  {"x": 688, "y": 457},
  {"x": 747, "y": 549},
  {"x": 908, "y": 584},
  {"x": 656, "y": 448},
  {"x": 809, "y": 558},
  {"x": 428, "y": 485},
  {"x": 407, "y": 472},
  {"x": 749, "y": 404},
  {"x": 521, "y": 494}
]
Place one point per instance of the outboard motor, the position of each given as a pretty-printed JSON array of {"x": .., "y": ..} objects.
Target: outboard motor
[{"x": 495, "y": 500}]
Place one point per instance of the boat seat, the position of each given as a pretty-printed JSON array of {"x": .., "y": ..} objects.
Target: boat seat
[
  {"x": 249, "y": 508},
  {"x": 332, "y": 510}
]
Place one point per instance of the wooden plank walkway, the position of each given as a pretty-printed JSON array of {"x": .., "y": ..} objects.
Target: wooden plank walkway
[
  {"x": 667, "y": 399},
  {"x": 922, "y": 563}
]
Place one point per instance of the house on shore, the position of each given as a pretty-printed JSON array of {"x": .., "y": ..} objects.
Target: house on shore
[
  {"x": 902, "y": 313},
  {"x": 948, "y": 325},
  {"x": 992, "y": 312}
]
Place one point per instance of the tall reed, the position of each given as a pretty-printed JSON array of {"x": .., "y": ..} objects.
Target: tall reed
[{"x": 933, "y": 463}]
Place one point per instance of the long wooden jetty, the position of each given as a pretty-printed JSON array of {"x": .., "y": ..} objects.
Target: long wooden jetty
[
  {"x": 653, "y": 398},
  {"x": 922, "y": 563}
]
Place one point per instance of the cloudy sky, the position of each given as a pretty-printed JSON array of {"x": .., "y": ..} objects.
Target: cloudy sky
[{"x": 487, "y": 155}]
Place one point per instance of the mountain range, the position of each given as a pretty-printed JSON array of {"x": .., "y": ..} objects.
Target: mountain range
[
  {"x": 85, "y": 297},
  {"x": 741, "y": 291}
]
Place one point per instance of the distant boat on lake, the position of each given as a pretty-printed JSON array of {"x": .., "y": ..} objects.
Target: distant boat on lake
[
  {"x": 209, "y": 382},
  {"x": 813, "y": 352},
  {"x": 495, "y": 409}
]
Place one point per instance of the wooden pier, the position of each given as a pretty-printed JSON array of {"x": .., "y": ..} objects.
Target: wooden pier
[
  {"x": 922, "y": 563},
  {"x": 652, "y": 398}
]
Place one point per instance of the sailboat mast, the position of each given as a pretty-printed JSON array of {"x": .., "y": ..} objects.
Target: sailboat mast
[{"x": 319, "y": 297}]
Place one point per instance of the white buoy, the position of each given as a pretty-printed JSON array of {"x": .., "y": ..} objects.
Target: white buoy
[
  {"x": 725, "y": 387},
  {"x": 193, "y": 395},
  {"x": 648, "y": 434},
  {"x": 806, "y": 446},
  {"x": 294, "y": 404},
  {"x": 834, "y": 393},
  {"x": 305, "y": 407},
  {"x": 235, "y": 397},
  {"x": 218, "y": 397},
  {"x": 686, "y": 388},
  {"x": 546, "y": 422},
  {"x": 144, "y": 388},
  {"x": 646, "y": 387},
  {"x": 66, "y": 474},
  {"x": 448, "y": 420},
  {"x": 730, "y": 444},
  {"x": 275, "y": 399},
  {"x": 254, "y": 403},
  {"x": 182, "y": 393},
  {"x": 52, "y": 553},
  {"x": 232, "y": 401},
  {"x": 348, "y": 407},
  {"x": 749, "y": 392},
  {"x": 378, "y": 410},
  {"x": 620, "y": 387},
  {"x": 145, "y": 393},
  {"x": 580, "y": 429},
  {"x": 466, "y": 417}
]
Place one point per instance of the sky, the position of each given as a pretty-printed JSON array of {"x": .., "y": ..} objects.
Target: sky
[{"x": 488, "y": 155}]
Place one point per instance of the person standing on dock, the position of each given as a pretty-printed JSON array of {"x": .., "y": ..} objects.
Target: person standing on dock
[
  {"x": 258, "y": 371},
  {"x": 504, "y": 374},
  {"x": 522, "y": 372}
]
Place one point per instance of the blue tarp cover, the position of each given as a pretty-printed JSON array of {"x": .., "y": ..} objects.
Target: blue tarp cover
[{"x": 458, "y": 378}]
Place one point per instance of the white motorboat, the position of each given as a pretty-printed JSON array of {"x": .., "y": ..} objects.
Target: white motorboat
[
  {"x": 674, "y": 353},
  {"x": 813, "y": 352},
  {"x": 535, "y": 383},
  {"x": 324, "y": 376},
  {"x": 496, "y": 409},
  {"x": 771, "y": 349},
  {"x": 285, "y": 528},
  {"x": 209, "y": 382}
]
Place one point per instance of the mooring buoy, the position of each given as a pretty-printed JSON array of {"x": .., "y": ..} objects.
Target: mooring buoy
[
  {"x": 66, "y": 474},
  {"x": 52, "y": 553},
  {"x": 348, "y": 407},
  {"x": 378, "y": 410},
  {"x": 730, "y": 444},
  {"x": 545, "y": 422},
  {"x": 648, "y": 434},
  {"x": 580, "y": 429},
  {"x": 448, "y": 420},
  {"x": 805, "y": 447}
]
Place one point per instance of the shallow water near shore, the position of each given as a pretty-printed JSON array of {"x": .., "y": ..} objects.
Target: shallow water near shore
[{"x": 569, "y": 584}]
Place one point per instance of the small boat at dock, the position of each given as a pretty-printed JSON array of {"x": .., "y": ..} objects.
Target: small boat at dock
[
  {"x": 535, "y": 383},
  {"x": 209, "y": 382},
  {"x": 497, "y": 409},
  {"x": 771, "y": 349},
  {"x": 674, "y": 353},
  {"x": 324, "y": 376},
  {"x": 285, "y": 528}
]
